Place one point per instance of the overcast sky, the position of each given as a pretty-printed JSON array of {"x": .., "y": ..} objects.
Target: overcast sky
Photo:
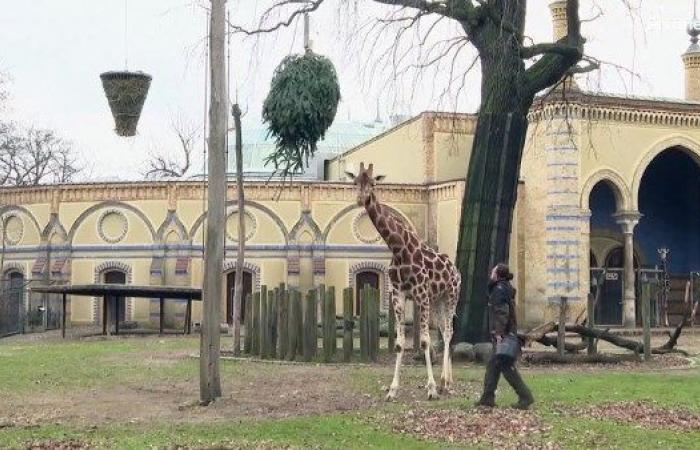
[{"x": 54, "y": 51}]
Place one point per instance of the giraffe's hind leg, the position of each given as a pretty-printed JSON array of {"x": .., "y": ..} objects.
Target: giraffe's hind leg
[
  {"x": 398, "y": 303},
  {"x": 445, "y": 324},
  {"x": 423, "y": 300}
]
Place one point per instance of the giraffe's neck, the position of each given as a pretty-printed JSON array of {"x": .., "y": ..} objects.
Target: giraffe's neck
[{"x": 390, "y": 229}]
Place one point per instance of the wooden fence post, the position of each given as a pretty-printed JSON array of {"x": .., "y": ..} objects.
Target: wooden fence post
[
  {"x": 272, "y": 323},
  {"x": 590, "y": 322},
  {"x": 282, "y": 322},
  {"x": 292, "y": 330},
  {"x": 646, "y": 317},
  {"x": 364, "y": 351},
  {"x": 348, "y": 324},
  {"x": 248, "y": 337},
  {"x": 299, "y": 324},
  {"x": 321, "y": 310},
  {"x": 373, "y": 324},
  {"x": 561, "y": 335},
  {"x": 262, "y": 331},
  {"x": 309, "y": 325},
  {"x": 255, "y": 325},
  {"x": 329, "y": 339},
  {"x": 391, "y": 322}
]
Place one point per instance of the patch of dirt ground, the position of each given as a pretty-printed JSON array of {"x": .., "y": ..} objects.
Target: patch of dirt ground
[
  {"x": 644, "y": 414},
  {"x": 500, "y": 428},
  {"x": 262, "y": 391}
]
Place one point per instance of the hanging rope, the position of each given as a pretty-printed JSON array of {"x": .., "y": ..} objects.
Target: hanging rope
[
  {"x": 126, "y": 34},
  {"x": 204, "y": 135}
]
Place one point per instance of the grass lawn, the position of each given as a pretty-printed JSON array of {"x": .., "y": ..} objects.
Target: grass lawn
[{"x": 136, "y": 393}]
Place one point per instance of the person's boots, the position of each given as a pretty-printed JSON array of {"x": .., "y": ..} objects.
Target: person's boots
[
  {"x": 525, "y": 398},
  {"x": 493, "y": 373}
]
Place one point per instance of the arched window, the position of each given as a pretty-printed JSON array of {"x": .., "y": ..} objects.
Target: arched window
[{"x": 367, "y": 277}]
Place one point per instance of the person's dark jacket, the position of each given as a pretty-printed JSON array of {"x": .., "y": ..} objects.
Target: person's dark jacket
[{"x": 502, "y": 308}]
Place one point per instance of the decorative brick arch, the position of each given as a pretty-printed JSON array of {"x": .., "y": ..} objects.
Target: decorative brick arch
[
  {"x": 109, "y": 266},
  {"x": 253, "y": 269},
  {"x": 372, "y": 266},
  {"x": 14, "y": 267},
  {"x": 690, "y": 146},
  {"x": 623, "y": 198}
]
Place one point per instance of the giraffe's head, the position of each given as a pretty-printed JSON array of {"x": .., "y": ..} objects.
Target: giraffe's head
[{"x": 365, "y": 182}]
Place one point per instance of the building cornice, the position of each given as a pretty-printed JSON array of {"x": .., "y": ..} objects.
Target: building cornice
[
  {"x": 581, "y": 105},
  {"x": 174, "y": 191}
]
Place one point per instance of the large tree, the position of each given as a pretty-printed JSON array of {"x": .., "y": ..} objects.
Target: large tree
[{"x": 513, "y": 72}]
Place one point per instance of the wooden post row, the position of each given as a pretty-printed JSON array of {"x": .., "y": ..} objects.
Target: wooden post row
[{"x": 348, "y": 324}]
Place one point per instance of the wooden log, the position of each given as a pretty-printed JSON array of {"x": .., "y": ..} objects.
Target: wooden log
[
  {"x": 309, "y": 325},
  {"x": 391, "y": 321},
  {"x": 348, "y": 324},
  {"x": 255, "y": 325},
  {"x": 263, "y": 322},
  {"x": 248, "y": 336},
  {"x": 561, "y": 338},
  {"x": 646, "y": 319}
]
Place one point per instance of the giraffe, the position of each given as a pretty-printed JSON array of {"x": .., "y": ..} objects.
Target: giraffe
[{"x": 417, "y": 272}]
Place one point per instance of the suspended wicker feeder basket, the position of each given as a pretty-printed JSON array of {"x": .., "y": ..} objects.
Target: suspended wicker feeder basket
[{"x": 126, "y": 93}]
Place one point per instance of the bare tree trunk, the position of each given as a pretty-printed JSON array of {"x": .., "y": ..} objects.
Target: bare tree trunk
[
  {"x": 238, "y": 289},
  {"x": 209, "y": 376}
]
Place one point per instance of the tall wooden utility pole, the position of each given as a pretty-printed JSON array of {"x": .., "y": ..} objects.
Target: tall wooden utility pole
[
  {"x": 238, "y": 289},
  {"x": 209, "y": 352}
]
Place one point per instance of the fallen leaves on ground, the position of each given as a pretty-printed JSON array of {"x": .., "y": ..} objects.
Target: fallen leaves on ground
[
  {"x": 617, "y": 362},
  {"x": 57, "y": 445},
  {"x": 644, "y": 414},
  {"x": 501, "y": 428}
]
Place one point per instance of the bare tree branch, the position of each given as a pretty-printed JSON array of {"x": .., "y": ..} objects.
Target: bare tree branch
[{"x": 169, "y": 166}]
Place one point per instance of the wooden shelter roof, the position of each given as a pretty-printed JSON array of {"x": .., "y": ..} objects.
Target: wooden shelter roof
[{"x": 123, "y": 290}]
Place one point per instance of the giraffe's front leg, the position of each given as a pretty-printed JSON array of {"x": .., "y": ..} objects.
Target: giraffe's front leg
[
  {"x": 425, "y": 345},
  {"x": 398, "y": 301}
]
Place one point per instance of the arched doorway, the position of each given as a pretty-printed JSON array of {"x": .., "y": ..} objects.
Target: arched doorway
[
  {"x": 231, "y": 290},
  {"x": 366, "y": 277},
  {"x": 668, "y": 198},
  {"x": 115, "y": 305},
  {"x": 11, "y": 303}
]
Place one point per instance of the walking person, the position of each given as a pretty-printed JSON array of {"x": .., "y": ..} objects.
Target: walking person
[{"x": 506, "y": 345}]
